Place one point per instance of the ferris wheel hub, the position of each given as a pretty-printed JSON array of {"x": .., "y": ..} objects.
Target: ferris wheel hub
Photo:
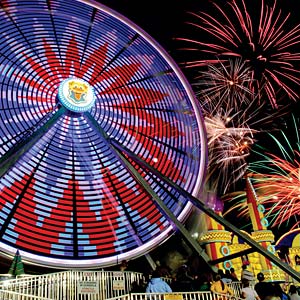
[{"x": 76, "y": 95}]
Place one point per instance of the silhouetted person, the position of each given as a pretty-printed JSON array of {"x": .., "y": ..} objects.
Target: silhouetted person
[
  {"x": 163, "y": 269},
  {"x": 227, "y": 277},
  {"x": 293, "y": 293},
  {"x": 138, "y": 286},
  {"x": 202, "y": 282},
  {"x": 278, "y": 292},
  {"x": 246, "y": 274},
  {"x": 184, "y": 282},
  {"x": 233, "y": 275},
  {"x": 263, "y": 288}
]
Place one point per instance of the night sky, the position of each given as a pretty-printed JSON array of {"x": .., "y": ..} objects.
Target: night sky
[{"x": 167, "y": 22}]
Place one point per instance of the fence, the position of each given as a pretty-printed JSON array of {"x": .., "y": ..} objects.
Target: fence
[
  {"x": 175, "y": 296},
  {"x": 10, "y": 295},
  {"x": 90, "y": 285},
  {"x": 71, "y": 285}
]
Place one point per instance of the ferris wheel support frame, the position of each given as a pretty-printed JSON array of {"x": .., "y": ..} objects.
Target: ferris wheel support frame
[
  {"x": 160, "y": 204},
  {"x": 283, "y": 266},
  {"x": 63, "y": 68},
  {"x": 11, "y": 156}
]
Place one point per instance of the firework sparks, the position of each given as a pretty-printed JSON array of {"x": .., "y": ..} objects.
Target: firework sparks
[
  {"x": 226, "y": 85},
  {"x": 232, "y": 117},
  {"x": 276, "y": 180},
  {"x": 266, "y": 44},
  {"x": 229, "y": 142}
]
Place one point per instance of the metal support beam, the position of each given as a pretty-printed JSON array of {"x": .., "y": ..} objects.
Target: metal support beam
[
  {"x": 150, "y": 261},
  {"x": 274, "y": 259},
  {"x": 160, "y": 204},
  {"x": 13, "y": 154},
  {"x": 166, "y": 211}
]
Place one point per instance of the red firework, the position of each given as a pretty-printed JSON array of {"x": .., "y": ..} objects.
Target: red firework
[
  {"x": 276, "y": 181},
  {"x": 267, "y": 43}
]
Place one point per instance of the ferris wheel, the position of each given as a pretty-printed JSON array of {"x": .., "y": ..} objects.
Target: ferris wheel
[{"x": 86, "y": 96}]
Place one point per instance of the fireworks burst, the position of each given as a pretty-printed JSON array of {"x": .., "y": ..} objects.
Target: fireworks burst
[
  {"x": 266, "y": 44},
  {"x": 276, "y": 180},
  {"x": 229, "y": 142},
  {"x": 232, "y": 118},
  {"x": 226, "y": 85}
]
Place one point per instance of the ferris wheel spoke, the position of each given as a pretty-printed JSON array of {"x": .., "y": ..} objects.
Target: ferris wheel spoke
[
  {"x": 11, "y": 19},
  {"x": 77, "y": 201},
  {"x": 145, "y": 78},
  {"x": 162, "y": 206},
  {"x": 12, "y": 156},
  {"x": 87, "y": 39},
  {"x": 115, "y": 57},
  {"x": 118, "y": 149},
  {"x": 50, "y": 9}
]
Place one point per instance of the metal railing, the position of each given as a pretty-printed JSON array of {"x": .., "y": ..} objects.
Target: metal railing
[
  {"x": 73, "y": 285},
  {"x": 92, "y": 285},
  {"x": 175, "y": 296},
  {"x": 10, "y": 295},
  {"x": 236, "y": 287}
]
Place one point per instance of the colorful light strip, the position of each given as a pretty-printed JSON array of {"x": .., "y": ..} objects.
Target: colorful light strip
[{"x": 68, "y": 201}]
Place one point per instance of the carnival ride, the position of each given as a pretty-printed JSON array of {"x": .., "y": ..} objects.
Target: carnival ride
[
  {"x": 103, "y": 148},
  {"x": 81, "y": 87}
]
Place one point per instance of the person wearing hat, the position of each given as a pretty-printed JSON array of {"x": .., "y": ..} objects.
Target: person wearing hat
[
  {"x": 123, "y": 265},
  {"x": 246, "y": 274}
]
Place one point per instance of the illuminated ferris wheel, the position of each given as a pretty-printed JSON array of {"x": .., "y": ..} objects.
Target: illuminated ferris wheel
[{"x": 86, "y": 96}]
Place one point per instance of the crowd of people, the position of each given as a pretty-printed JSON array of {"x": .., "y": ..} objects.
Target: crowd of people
[{"x": 219, "y": 283}]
